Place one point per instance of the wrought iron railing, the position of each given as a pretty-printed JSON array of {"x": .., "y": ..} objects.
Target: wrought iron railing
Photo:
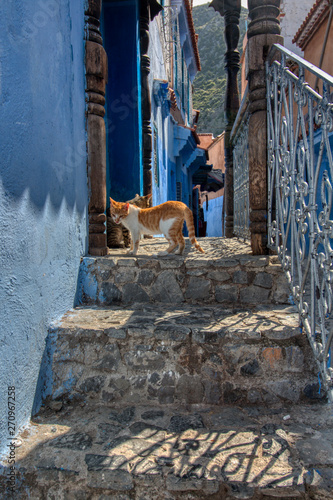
[
  {"x": 300, "y": 179},
  {"x": 240, "y": 140}
]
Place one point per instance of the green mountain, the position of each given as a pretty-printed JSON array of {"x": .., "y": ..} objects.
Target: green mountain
[{"x": 210, "y": 83}]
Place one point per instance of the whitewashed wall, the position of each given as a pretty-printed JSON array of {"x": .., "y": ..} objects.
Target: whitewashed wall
[
  {"x": 158, "y": 72},
  {"x": 293, "y": 13}
]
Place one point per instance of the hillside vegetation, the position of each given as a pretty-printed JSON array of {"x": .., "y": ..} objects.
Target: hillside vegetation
[{"x": 210, "y": 83}]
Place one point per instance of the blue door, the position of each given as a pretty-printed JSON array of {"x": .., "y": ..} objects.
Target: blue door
[{"x": 120, "y": 27}]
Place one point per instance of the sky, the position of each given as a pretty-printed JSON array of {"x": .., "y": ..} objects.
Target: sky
[{"x": 199, "y": 2}]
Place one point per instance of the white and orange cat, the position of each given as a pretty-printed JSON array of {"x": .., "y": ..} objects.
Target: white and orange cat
[{"x": 167, "y": 218}]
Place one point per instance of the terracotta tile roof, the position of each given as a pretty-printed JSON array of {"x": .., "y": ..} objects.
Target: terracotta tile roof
[
  {"x": 194, "y": 35},
  {"x": 217, "y": 139},
  {"x": 313, "y": 20}
]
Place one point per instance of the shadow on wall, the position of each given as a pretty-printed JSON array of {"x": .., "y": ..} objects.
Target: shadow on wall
[
  {"x": 45, "y": 376},
  {"x": 43, "y": 183}
]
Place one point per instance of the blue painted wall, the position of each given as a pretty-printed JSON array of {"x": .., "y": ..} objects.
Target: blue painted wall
[
  {"x": 43, "y": 185},
  {"x": 123, "y": 99},
  {"x": 213, "y": 217}
]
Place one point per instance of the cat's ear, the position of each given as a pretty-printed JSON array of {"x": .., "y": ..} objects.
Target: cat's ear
[
  {"x": 126, "y": 206},
  {"x": 149, "y": 195},
  {"x": 111, "y": 201}
]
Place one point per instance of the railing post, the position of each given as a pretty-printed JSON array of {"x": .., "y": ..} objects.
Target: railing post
[
  {"x": 96, "y": 78},
  {"x": 230, "y": 9},
  {"x": 263, "y": 32}
]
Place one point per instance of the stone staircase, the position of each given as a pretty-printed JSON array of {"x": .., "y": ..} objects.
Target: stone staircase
[
  {"x": 181, "y": 354},
  {"x": 179, "y": 377},
  {"x": 226, "y": 274}
]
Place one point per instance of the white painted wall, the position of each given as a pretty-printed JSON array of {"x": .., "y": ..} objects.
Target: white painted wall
[
  {"x": 158, "y": 72},
  {"x": 293, "y": 13},
  {"x": 155, "y": 53}
]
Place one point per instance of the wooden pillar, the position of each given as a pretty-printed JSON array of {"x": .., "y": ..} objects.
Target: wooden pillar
[
  {"x": 230, "y": 9},
  {"x": 96, "y": 78},
  {"x": 263, "y": 32},
  {"x": 145, "y": 98}
]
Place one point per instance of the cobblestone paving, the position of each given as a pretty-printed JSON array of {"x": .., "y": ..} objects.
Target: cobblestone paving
[
  {"x": 215, "y": 248},
  {"x": 136, "y": 452}
]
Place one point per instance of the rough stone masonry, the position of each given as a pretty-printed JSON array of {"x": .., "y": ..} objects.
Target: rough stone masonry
[{"x": 179, "y": 378}]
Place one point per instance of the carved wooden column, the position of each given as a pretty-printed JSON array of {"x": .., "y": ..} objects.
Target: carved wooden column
[
  {"x": 145, "y": 98},
  {"x": 263, "y": 32},
  {"x": 96, "y": 78},
  {"x": 230, "y": 9}
]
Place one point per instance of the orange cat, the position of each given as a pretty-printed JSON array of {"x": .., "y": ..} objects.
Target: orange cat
[{"x": 167, "y": 219}]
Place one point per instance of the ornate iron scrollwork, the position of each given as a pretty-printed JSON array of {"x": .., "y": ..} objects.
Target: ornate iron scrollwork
[
  {"x": 241, "y": 179},
  {"x": 300, "y": 178}
]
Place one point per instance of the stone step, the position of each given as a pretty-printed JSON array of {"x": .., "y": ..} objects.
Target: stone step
[
  {"x": 142, "y": 452},
  {"x": 226, "y": 273},
  {"x": 187, "y": 354}
]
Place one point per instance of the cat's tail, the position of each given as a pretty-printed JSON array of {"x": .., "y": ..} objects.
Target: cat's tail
[{"x": 191, "y": 231}]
